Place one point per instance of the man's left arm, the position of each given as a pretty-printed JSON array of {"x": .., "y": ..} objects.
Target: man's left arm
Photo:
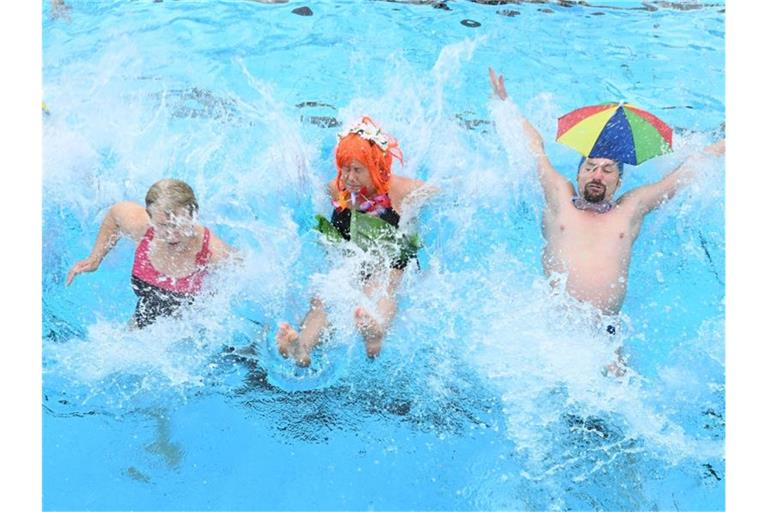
[{"x": 649, "y": 197}]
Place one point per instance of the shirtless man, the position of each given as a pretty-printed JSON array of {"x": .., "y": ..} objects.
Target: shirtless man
[{"x": 588, "y": 236}]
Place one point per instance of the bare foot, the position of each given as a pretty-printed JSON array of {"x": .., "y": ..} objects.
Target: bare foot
[
  {"x": 371, "y": 330},
  {"x": 289, "y": 346},
  {"x": 286, "y": 336}
]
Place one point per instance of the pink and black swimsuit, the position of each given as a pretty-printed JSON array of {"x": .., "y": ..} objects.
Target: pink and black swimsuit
[{"x": 159, "y": 294}]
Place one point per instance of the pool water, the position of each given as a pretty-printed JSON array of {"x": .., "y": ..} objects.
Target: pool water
[{"x": 489, "y": 393}]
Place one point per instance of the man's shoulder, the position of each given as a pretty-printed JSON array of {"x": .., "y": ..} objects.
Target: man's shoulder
[{"x": 630, "y": 198}]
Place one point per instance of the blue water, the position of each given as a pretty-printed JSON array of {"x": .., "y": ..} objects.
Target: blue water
[{"x": 488, "y": 394}]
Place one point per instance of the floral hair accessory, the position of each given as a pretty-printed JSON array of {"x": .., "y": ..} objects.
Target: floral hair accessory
[
  {"x": 365, "y": 129},
  {"x": 367, "y": 144}
]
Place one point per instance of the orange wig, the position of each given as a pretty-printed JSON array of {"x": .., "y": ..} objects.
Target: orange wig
[{"x": 374, "y": 149}]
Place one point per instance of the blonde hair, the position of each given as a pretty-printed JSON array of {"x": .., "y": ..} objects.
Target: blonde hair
[{"x": 170, "y": 194}]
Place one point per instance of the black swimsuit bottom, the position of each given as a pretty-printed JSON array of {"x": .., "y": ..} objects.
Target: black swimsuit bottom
[
  {"x": 155, "y": 302},
  {"x": 341, "y": 220}
]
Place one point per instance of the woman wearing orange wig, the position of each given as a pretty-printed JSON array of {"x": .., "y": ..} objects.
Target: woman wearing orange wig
[{"x": 368, "y": 201}]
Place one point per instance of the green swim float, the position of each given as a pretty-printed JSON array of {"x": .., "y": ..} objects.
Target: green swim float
[{"x": 371, "y": 232}]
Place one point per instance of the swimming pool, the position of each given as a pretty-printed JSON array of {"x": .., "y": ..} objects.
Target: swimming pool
[{"x": 485, "y": 396}]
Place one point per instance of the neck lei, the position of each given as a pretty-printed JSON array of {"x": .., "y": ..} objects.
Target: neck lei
[
  {"x": 375, "y": 205},
  {"x": 601, "y": 207}
]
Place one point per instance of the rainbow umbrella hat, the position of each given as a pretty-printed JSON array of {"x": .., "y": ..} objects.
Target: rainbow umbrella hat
[{"x": 618, "y": 131}]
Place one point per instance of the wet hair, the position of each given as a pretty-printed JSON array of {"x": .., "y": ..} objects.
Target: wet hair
[
  {"x": 377, "y": 161},
  {"x": 170, "y": 195}
]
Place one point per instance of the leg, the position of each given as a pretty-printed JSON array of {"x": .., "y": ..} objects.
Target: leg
[
  {"x": 372, "y": 330},
  {"x": 299, "y": 345},
  {"x": 162, "y": 445},
  {"x": 618, "y": 368}
]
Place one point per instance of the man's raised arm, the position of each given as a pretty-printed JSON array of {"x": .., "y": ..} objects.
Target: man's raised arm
[
  {"x": 648, "y": 197},
  {"x": 555, "y": 185}
]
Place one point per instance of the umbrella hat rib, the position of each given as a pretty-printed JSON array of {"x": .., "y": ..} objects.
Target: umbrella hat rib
[
  {"x": 583, "y": 135},
  {"x": 566, "y": 122},
  {"x": 616, "y": 140},
  {"x": 661, "y": 126},
  {"x": 648, "y": 142}
]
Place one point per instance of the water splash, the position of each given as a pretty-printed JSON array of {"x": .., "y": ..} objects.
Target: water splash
[{"x": 478, "y": 328}]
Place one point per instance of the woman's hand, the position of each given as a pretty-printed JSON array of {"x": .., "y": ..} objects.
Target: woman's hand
[{"x": 87, "y": 265}]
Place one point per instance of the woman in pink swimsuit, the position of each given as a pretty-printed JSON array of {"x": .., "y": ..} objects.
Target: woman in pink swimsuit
[{"x": 173, "y": 254}]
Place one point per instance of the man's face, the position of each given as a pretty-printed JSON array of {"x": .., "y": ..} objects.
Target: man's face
[{"x": 598, "y": 179}]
